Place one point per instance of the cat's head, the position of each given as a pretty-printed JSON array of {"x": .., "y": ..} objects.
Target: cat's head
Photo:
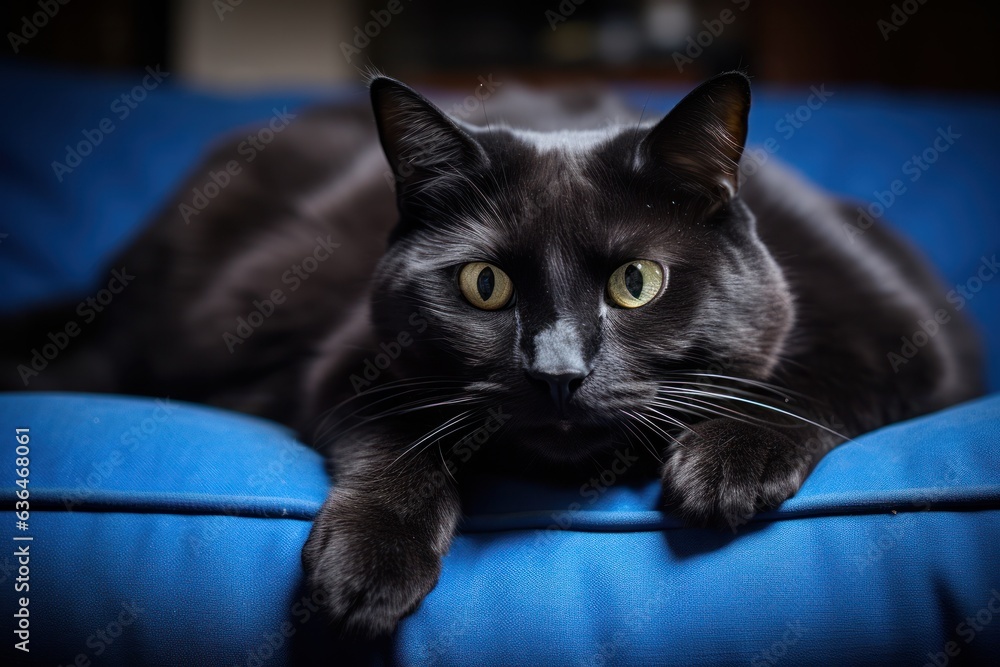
[{"x": 566, "y": 276}]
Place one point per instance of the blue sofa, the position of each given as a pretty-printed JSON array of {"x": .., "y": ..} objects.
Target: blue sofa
[{"x": 168, "y": 533}]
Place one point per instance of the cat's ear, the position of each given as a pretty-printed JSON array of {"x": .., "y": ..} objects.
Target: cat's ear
[
  {"x": 701, "y": 140},
  {"x": 419, "y": 140}
]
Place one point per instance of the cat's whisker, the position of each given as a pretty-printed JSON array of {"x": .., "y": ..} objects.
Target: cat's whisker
[
  {"x": 650, "y": 420},
  {"x": 446, "y": 426},
  {"x": 416, "y": 406},
  {"x": 391, "y": 397},
  {"x": 462, "y": 430},
  {"x": 624, "y": 425},
  {"x": 712, "y": 386},
  {"x": 643, "y": 439},
  {"x": 758, "y": 404},
  {"x": 670, "y": 420},
  {"x": 679, "y": 406},
  {"x": 389, "y": 386},
  {"x": 413, "y": 406},
  {"x": 730, "y": 392},
  {"x": 656, "y": 428},
  {"x": 444, "y": 464},
  {"x": 330, "y": 425},
  {"x": 784, "y": 392},
  {"x": 711, "y": 408}
]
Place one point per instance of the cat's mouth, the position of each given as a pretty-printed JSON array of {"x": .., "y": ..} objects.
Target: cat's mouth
[
  {"x": 564, "y": 425},
  {"x": 564, "y": 439}
]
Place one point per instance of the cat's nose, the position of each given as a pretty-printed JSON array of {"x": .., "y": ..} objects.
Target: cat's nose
[
  {"x": 559, "y": 361},
  {"x": 561, "y": 383}
]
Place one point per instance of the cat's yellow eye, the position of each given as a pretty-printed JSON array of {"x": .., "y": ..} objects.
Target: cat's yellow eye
[
  {"x": 636, "y": 283},
  {"x": 485, "y": 285}
]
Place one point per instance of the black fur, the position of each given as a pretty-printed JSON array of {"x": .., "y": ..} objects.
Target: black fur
[{"x": 766, "y": 348}]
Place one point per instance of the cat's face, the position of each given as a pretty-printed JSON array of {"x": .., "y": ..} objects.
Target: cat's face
[{"x": 566, "y": 276}]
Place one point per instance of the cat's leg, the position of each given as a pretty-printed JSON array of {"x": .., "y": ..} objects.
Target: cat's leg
[
  {"x": 724, "y": 471},
  {"x": 375, "y": 548}
]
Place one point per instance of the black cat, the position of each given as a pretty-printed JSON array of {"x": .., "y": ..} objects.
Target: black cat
[{"x": 567, "y": 290}]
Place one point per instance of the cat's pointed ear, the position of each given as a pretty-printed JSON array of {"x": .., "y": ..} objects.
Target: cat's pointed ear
[
  {"x": 419, "y": 140},
  {"x": 700, "y": 142}
]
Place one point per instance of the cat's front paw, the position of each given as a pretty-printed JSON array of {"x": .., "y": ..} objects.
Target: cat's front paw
[
  {"x": 723, "y": 472},
  {"x": 368, "y": 570}
]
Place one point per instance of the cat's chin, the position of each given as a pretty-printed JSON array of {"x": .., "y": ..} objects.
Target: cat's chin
[{"x": 565, "y": 440}]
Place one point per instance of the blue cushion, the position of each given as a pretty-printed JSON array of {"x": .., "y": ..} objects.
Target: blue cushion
[{"x": 194, "y": 517}]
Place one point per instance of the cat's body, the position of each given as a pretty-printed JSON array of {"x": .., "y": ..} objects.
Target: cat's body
[{"x": 798, "y": 312}]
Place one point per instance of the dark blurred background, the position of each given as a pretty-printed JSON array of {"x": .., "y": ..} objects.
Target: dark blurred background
[{"x": 239, "y": 44}]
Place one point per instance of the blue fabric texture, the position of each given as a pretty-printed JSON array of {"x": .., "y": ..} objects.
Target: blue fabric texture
[
  {"x": 169, "y": 534},
  {"x": 195, "y": 518}
]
